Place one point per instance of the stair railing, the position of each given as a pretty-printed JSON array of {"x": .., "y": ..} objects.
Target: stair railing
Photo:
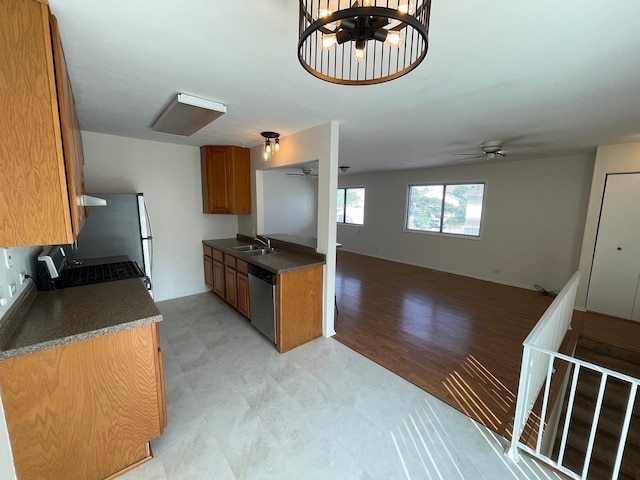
[
  {"x": 605, "y": 374},
  {"x": 538, "y": 358},
  {"x": 547, "y": 334}
]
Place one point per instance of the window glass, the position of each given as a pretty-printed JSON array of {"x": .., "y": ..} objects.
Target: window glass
[
  {"x": 340, "y": 213},
  {"x": 454, "y": 209},
  {"x": 350, "y": 205},
  {"x": 354, "y": 206},
  {"x": 425, "y": 207}
]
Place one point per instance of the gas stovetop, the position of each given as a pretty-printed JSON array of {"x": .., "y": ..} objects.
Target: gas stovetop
[{"x": 79, "y": 275}]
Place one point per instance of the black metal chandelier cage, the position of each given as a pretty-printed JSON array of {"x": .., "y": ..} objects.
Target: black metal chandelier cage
[{"x": 362, "y": 42}]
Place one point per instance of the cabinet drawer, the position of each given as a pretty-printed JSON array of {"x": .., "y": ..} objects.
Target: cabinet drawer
[
  {"x": 242, "y": 266},
  {"x": 229, "y": 260},
  {"x": 207, "y": 250},
  {"x": 217, "y": 255}
]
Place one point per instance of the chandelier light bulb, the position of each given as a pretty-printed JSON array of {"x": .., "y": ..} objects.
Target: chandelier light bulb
[
  {"x": 394, "y": 38},
  {"x": 324, "y": 12},
  {"x": 368, "y": 3},
  {"x": 329, "y": 41},
  {"x": 358, "y": 53},
  {"x": 277, "y": 145},
  {"x": 265, "y": 155},
  {"x": 267, "y": 147},
  {"x": 406, "y": 9}
]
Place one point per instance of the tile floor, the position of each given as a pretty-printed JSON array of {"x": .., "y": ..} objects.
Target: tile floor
[{"x": 239, "y": 410}]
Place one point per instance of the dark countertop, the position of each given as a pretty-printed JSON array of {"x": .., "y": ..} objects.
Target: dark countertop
[
  {"x": 310, "y": 242},
  {"x": 288, "y": 257},
  {"x": 58, "y": 317}
]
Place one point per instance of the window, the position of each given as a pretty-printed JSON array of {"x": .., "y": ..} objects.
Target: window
[
  {"x": 351, "y": 205},
  {"x": 454, "y": 209}
]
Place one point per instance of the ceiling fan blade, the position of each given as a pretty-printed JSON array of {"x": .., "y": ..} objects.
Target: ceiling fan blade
[
  {"x": 513, "y": 149},
  {"x": 467, "y": 154},
  {"x": 465, "y": 159}
]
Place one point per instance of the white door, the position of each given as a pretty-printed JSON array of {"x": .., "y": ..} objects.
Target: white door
[{"x": 615, "y": 273}]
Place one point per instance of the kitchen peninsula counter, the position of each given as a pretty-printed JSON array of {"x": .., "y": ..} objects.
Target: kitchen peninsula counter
[
  {"x": 287, "y": 258},
  {"x": 54, "y": 318}
]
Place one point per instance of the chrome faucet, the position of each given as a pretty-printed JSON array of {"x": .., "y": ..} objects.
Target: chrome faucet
[{"x": 263, "y": 240}]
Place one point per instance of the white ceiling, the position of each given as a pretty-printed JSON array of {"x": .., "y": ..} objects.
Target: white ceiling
[{"x": 562, "y": 76}]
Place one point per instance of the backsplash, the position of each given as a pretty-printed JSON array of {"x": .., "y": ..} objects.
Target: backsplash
[{"x": 23, "y": 259}]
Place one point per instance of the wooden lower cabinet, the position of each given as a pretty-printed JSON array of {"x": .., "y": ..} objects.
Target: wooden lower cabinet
[
  {"x": 298, "y": 297},
  {"x": 87, "y": 409},
  {"x": 208, "y": 271},
  {"x": 298, "y": 307},
  {"x": 218, "y": 278},
  {"x": 230, "y": 285},
  {"x": 242, "y": 284}
]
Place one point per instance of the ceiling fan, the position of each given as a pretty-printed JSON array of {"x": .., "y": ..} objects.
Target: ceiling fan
[
  {"x": 306, "y": 172},
  {"x": 492, "y": 150}
]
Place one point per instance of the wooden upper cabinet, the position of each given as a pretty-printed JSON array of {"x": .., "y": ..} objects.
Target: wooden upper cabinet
[
  {"x": 34, "y": 194},
  {"x": 226, "y": 180},
  {"x": 71, "y": 138}
]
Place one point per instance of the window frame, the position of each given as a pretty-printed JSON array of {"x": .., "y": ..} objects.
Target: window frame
[
  {"x": 344, "y": 211},
  {"x": 444, "y": 185}
]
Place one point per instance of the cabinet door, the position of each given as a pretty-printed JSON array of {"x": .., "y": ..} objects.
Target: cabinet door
[
  {"x": 70, "y": 129},
  {"x": 162, "y": 398},
  {"x": 34, "y": 205},
  {"x": 230, "y": 281},
  {"x": 218, "y": 278},
  {"x": 208, "y": 271},
  {"x": 216, "y": 180},
  {"x": 83, "y": 410},
  {"x": 226, "y": 179},
  {"x": 243, "y": 294}
]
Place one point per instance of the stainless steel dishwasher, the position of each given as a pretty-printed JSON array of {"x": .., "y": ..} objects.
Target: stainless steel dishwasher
[{"x": 262, "y": 299}]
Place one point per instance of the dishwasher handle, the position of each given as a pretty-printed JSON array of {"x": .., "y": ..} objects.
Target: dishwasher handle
[{"x": 262, "y": 274}]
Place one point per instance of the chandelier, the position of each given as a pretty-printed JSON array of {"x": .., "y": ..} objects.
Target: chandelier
[{"x": 362, "y": 42}]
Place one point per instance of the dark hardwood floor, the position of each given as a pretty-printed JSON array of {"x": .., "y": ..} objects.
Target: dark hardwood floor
[{"x": 458, "y": 338}]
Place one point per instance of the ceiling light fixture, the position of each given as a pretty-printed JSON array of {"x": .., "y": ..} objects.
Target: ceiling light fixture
[
  {"x": 362, "y": 42},
  {"x": 186, "y": 114},
  {"x": 269, "y": 149}
]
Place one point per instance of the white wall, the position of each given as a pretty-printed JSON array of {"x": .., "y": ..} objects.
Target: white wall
[
  {"x": 318, "y": 143},
  {"x": 531, "y": 232},
  {"x": 23, "y": 259},
  {"x": 621, "y": 158},
  {"x": 290, "y": 203},
  {"x": 169, "y": 176}
]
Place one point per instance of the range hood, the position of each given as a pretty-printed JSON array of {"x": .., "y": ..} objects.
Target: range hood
[
  {"x": 185, "y": 115},
  {"x": 89, "y": 201}
]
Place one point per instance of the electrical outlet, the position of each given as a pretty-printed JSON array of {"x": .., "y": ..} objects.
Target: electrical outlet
[
  {"x": 8, "y": 262},
  {"x": 12, "y": 289},
  {"x": 3, "y": 301},
  {"x": 23, "y": 277}
]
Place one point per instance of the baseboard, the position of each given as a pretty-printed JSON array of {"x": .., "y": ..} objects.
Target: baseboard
[
  {"x": 182, "y": 294},
  {"x": 452, "y": 272}
]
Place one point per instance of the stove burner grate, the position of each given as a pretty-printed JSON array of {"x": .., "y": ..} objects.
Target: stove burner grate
[{"x": 78, "y": 276}]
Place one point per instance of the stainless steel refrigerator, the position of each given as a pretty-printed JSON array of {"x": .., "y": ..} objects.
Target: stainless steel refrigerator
[{"x": 121, "y": 227}]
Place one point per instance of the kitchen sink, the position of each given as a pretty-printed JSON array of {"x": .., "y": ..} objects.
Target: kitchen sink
[
  {"x": 259, "y": 251},
  {"x": 248, "y": 248}
]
